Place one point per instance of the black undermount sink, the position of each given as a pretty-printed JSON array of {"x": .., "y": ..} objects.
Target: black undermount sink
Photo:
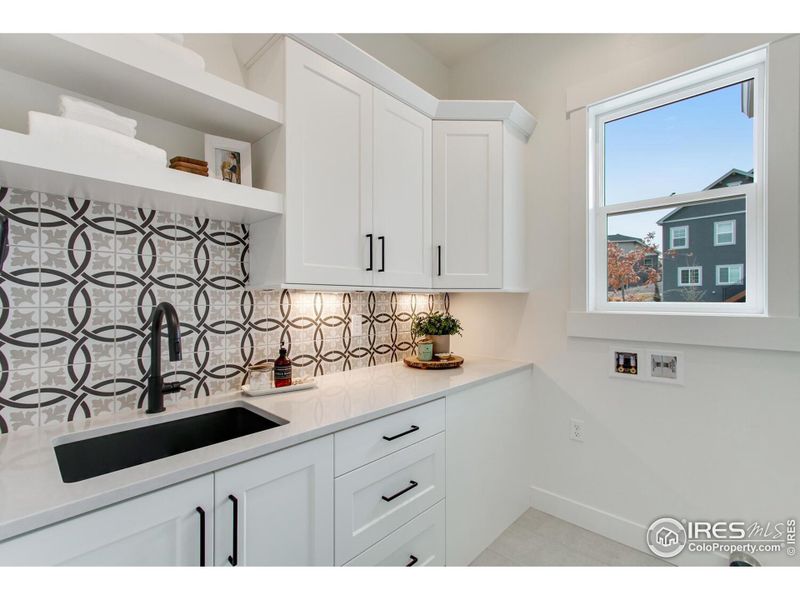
[{"x": 103, "y": 454}]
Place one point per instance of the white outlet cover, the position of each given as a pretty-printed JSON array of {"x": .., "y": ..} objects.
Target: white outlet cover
[
  {"x": 576, "y": 424},
  {"x": 670, "y": 357},
  {"x": 356, "y": 329}
]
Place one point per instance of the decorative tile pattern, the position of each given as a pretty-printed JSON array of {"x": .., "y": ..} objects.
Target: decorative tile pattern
[{"x": 81, "y": 280}]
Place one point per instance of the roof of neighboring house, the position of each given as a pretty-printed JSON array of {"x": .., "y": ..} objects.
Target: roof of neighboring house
[
  {"x": 705, "y": 210},
  {"x": 618, "y": 237},
  {"x": 732, "y": 177}
]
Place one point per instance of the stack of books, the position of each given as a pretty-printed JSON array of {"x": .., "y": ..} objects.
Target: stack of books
[{"x": 189, "y": 165}]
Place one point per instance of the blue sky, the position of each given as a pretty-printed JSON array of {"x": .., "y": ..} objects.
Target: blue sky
[{"x": 681, "y": 147}]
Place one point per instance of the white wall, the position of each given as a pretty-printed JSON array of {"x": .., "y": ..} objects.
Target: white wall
[
  {"x": 217, "y": 50},
  {"x": 723, "y": 446},
  {"x": 407, "y": 57}
]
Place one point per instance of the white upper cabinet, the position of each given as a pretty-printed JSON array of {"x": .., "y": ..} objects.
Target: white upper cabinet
[
  {"x": 328, "y": 171},
  {"x": 478, "y": 206},
  {"x": 277, "y": 510},
  {"x": 401, "y": 194},
  {"x": 375, "y": 191}
]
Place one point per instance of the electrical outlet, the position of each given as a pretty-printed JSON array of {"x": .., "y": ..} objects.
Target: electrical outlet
[
  {"x": 355, "y": 325},
  {"x": 576, "y": 430}
]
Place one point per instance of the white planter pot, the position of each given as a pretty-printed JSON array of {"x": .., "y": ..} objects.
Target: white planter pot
[{"x": 441, "y": 344}]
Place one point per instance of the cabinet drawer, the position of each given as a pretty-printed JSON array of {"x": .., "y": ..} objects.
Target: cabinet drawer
[
  {"x": 373, "y": 501},
  {"x": 418, "y": 543},
  {"x": 362, "y": 444}
]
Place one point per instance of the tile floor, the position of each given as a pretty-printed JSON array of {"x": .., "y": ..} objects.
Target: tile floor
[{"x": 538, "y": 539}]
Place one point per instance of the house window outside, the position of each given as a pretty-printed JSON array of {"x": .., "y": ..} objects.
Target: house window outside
[
  {"x": 690, "y": 276},
  {"x": 678, "y": 237},
  {"x": 675, "y": 162},
  {"x": 724, "y": 233},
  {"x": 730, "y": 274}
]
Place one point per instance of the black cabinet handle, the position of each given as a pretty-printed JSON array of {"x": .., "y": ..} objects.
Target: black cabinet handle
[
  {"x": 401, "y": 492},
  {"x": 202, "y": 514},
  {"x": 399, "y": 435},
  {"x": 383, "y": 254},
  {"x": 413, "y": 560},
  {"x": 234, "y": 560},
  {"x": 439, "y": 251},
  {"x": 369, "y": 268}
]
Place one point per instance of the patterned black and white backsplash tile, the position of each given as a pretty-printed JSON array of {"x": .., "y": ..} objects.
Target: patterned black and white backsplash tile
[{"x": 81, "y": 280}]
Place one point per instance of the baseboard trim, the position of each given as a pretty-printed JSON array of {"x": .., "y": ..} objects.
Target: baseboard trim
[{"x": 611, "y": 526}]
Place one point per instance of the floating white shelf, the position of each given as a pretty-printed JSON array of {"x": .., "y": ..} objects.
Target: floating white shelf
[
  {"x": 114, "y": 68},
  {"x": 27, "y": 163}
]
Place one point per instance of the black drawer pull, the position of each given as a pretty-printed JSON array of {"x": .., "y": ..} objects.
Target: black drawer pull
[
  {"x": 202, "y": 514},
  {"x": 439, "y": 251},
  {"x": 383, "y": 253},
  {"x": 413, "y": 560},
  {"x": 234, "y": 560},
  {"x": 369, "y": 237},
  {"x": 401, "y": 492},
  {"x": 399, "y": 435}
]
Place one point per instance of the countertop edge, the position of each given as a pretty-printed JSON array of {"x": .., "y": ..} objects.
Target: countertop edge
[{"x": 32, "y": 522}]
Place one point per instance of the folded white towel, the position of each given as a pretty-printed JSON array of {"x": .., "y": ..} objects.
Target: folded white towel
[
  {"x": 94, "y": 114},
  {"x": 92, "y": 142}
]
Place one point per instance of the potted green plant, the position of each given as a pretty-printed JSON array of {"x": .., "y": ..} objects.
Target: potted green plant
[{"x": 439, "y": 327}]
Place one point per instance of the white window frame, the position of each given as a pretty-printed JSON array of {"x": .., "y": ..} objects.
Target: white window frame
[
  {"x": 719, "y": 75},
  {"x": 739, "y": 266},
  {"x": 672, "y": 230},
  {"x": 699, "y": 276},
  {"x": 733, "y": 233}
]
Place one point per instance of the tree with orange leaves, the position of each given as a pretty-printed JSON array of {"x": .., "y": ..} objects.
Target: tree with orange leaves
[{"x": 627, "y": 268}]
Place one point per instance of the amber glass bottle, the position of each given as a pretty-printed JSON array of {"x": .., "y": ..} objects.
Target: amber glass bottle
[{"x": 282, "y": 373}]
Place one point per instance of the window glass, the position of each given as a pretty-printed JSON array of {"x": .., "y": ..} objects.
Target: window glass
[
  {"x": 699, "y": 143},
  {"x": 689, "y": 275},
  {"x": 679, "y": 237},
  {"x": 724, "y": 232},
  {"x": 729, "y": 274},
  {"x": 638, "y": 269}
]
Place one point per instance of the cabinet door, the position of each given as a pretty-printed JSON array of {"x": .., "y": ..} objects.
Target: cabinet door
[
  {"x": 328, "y": 205},
  {"x": 283, "y": 508},
  {"x": 401, "y": 194},
  {"x": 162, "y": 528},
  {"x": 488, "y": 467},
  {"x": 467, "y": 204}
]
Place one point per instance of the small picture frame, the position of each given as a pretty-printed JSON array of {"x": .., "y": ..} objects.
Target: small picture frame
[{"x": 228, "y": 160}]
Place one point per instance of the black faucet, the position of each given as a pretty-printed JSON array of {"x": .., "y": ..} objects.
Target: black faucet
[{"x": 156, "y": 388}]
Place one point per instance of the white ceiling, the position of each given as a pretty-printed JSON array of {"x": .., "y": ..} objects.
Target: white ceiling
[
  {"x": 450, "y": 48},
  {"x": 447, "y": 48}
]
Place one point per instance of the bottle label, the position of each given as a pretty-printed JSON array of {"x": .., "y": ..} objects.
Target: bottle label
[{"x": 283, "y": 372}]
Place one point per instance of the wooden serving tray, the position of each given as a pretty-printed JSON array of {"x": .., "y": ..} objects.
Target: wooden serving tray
[{"x": 452, "y": 362}]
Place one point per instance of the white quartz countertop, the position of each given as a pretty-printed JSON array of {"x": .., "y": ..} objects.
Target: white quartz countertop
[{"x": 32, "y": 494}]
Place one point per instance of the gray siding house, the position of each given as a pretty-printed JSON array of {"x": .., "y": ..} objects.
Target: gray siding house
[{"x": 704, "y": 248}]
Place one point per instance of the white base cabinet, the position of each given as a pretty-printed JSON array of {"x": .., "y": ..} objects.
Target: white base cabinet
[
  {"x": 277, "y": 510},
  {"x": 162, "y": 528},
  {"x": 489, "y": 457},
  {"x": 383, "y": 504},
  {"x": 418, "y": 543}
]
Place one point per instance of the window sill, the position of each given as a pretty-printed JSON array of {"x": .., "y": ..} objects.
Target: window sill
[{"x": 727, "y": 331}]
